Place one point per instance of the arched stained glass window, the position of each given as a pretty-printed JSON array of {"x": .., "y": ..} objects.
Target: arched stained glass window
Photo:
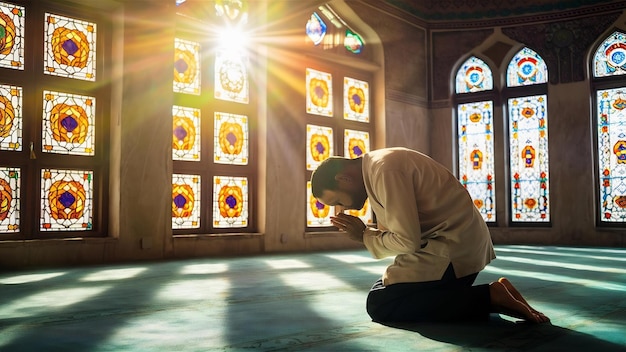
[
  {"x": 474, "y": 76},
  {"x": 528, "y": 138},
  {"x": 610, "y": 57},
  {"x": 526, "y": 68},
  {"x": 608, "y": 67}
]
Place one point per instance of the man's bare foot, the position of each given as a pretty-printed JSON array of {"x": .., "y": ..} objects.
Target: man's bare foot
[
  {"x": 518, "y": 296},
  {"x": 503, "y": 302}
]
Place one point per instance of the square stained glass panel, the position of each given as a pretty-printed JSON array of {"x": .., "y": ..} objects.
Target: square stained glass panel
[
  {"x": 230, "y": 201},
  {"x": 476, "y": 155},
  {"x": 317, "y": 213},
  {"x": 186, "y": 134},
  {"x": 10, "y": 118},
  {"x": 9, "y": 199},
  {"x": 612, "y": 154},
  {"x": 319, "y": 93},
  {"x": 66, "y": 200},
  {"x": 69, "y": 47},
  {"x": 356, "y": 102},
  {"x": 528, "y": 143},
  {"x": 12, "y": 44},
  {"x": 186, "y": 201},
  {"x": 231, "y": 76},
  {"x": 319, "y": 140},
  {"x": 186, "y": 66},
  {"x": 356, "y": 143},
  {"x": 231, "y": 139},
  {"x": 68, "y": 123}
]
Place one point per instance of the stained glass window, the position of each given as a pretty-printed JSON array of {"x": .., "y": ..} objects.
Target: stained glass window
[
  {"x": 353, "y": 42},
  {"x": 9, "y": 199},
  {"x": 236, "y": 11},
  {"x": 230, "y": 201},
  {"x": 528, "y": 131},
  {"x": 476, "y": 155},
  {"x": 318, "y": 214},
  {"x": 186, "y": 133},
  {"x": 319, "y": 93},
  {"x": 610, "y": 57},
  {"x": 10, "y": 117},
  {"x": 66, "y": 200},
  {"x": 474, "y": 76},
  {"x": 11, "y": 36},
  {"x": 70, "y": 47},
  {"x": 231, "y": 76},
  {"x": 186, "y": 66},
  {"x": 526, "y": 68},
  {"x": 356, "y": 100},
  {"x": 611, "y": 104},
  {"x": 185, "y": 201},
  {"x": 320, "y": 145},
  {"x": 68, "y": 123},
  {"x": 315, "y": 28},
  {"x": 356, "y": 143},
  {"x": 231, "y": 139}
]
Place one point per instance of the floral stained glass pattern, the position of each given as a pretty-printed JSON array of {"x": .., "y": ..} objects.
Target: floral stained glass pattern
[
  {"x": 356, "y": 100},
  {"x": 474, "y": 76},
  {"x": 186, "y": 133},
  {"x": 185, "y": 201},
  {"x": 68, "y": 123},
  {"x": 318, "y": 214},
  {"x": 610, "y": 58},
  {"x": 231, "y": 139},
  {"x": 319, "y": 145},
  {"x": 365, "y": 213},
  {"x": 9, "y": 199},
  {"x": 70, "y": 47},
  {"x": 231, "y": 76},
  {"x": 319, "y": 93},
  {"x": 476, "y": 155},
  {"x": 186, "y": 66},
  {"x": 356, "y": 143},
  {"x": 66, "y": 200},
  {"x": 11, "y": 36},
  {"x": 230, "y": 202},
  {"x": 235, "y": 11},
  {"x": 528, "y": 131},
  {"x": 353, "y": 42},
  {"x": 315, "y": 29},
  {"x": 526, "y": 68},
  {"x": 612, "y": 153},
  {"x": 10, "y": 118}
]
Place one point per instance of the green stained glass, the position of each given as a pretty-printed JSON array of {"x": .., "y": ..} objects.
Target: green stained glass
[
  {"x": 186, "y": 133},
  {"x": 10, "y": 182},
  {"x": 10, "y": 118},
  {"x": 610, "y": 57},
  {"x": 66, "y": 200},
  {"x": 476, "y": 155},
  {"x": 318, "y": 214},
  {"x": 528, "y": 133},
  {"x": 474, "y": 76},
  {"x": 319, "y": 140},
  {"x": 611, "y": 132},
  {"x": 68, "y": 123},
  {"x": 526, "y": 68},
  {"x": 186, "y": 205},
  {"x": 230, "y": 202},
  {"x": 231, "y": 139},
  {"x": 11, "y": 36},
  {"x": 353, "y": 42},
  {"x": 69, "y": 47}
]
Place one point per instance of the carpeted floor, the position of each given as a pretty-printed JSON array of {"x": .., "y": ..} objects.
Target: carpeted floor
[{"x": 302, "y": 302}]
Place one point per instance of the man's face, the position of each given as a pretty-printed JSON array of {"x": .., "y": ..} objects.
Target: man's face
[{"x": 344, "y": 197}]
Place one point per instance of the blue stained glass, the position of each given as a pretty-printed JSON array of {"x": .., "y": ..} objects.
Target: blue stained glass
[
  {"x": 474, "y": 75},
  {"x": 526, "y": 68},
  {"x": 610, "y": 57},
  {"x": 316, "y": 28}
]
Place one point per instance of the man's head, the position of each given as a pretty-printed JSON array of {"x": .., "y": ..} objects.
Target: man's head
[{"x": 339, "y": 181}]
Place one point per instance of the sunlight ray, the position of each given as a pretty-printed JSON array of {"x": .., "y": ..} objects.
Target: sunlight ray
[
  {"x": 602, "y": 285},
  {"x": 556, "y": 264},
  {"x": 559, "y": 254},
  {"x": 113, "y": 274},
  {"x": 287, "y": 264},
  {"x": 202, "y": 269},
  {"x": 48, "y": 301},
  {"x": 22, "y": 279}
]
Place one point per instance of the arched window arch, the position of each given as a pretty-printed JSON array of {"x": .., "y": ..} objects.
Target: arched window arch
[
  {"x": 474, "y": 100},
  {"x": 608, "y": 67},
  {"x": 527, "y": 115}
]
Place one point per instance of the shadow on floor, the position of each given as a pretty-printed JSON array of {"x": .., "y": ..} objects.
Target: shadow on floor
[{"x": 501, "y": 334}]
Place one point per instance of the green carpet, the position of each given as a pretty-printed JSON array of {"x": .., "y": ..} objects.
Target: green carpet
[{"x": 302, "y": 302}]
